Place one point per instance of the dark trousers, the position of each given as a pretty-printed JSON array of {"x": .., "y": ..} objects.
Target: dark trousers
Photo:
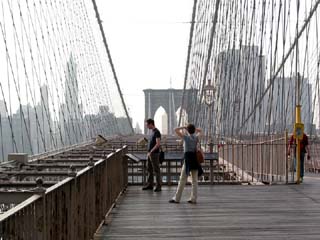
[
  {"x": 154, "y": 169},
  {"x": 302, "y": 155},
  {"x": 302, "y": 164}
]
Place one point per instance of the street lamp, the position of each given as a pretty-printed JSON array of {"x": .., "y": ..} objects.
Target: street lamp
[{"x": 209, "y": 93}]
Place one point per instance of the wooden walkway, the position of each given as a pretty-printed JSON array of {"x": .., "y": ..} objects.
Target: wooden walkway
[{"x": 223, "y": 212}]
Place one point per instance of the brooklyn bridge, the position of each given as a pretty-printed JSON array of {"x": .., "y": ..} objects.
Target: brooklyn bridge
[{"x": 74, "y": 143}]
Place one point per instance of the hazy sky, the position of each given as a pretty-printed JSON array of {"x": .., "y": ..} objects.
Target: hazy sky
[{"x": 148, "y": 40}]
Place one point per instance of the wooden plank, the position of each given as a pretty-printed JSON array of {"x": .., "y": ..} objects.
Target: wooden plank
[
  {"x": 48, "y": 215},
  {"x": 222, "y": 212},
  {"x": 39, "y": 219}
]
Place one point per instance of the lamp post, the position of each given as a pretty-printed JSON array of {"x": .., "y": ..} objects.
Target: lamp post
[{"x": 209, "y": 92}]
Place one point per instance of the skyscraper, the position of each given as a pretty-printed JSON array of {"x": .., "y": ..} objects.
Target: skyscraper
[
  {"x": 282, "y": 103},
  {"x": 240, "y": 80},
  {"x": 45, "y": 117},
  {"x": 3, "y": 109},
  {"x": 70, "y": 115},
  {"x": 72, "y": 90}
]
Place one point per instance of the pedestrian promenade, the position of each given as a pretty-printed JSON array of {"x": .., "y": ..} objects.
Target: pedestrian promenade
[{"x": 223, "y": 212}]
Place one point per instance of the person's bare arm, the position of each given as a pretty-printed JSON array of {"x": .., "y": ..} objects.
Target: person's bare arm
[
  {"x": 179, "y": 132},
  {"x": 199, "y": 132}
]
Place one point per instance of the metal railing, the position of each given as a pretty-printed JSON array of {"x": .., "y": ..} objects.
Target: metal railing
[
  {"x": 265, "y": 162},
  {"x": 72, "y": 208},
  {"x": 171, "y": 169},
  {"x": 313, "y": 165},
  {"x": 259, "y": 162}
]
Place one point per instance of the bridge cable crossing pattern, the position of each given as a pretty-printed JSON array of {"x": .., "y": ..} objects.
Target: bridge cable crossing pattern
[{"x": 57, "y": 86}]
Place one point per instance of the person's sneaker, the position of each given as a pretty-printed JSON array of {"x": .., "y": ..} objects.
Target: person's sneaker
[
  {"x": 173, "y": 201},
  {"x": 157, "y": 189},
  {"x": 148, "y": 187},
  {"x": 192, "y": 202},
  {"x": 301, "y": 179}
]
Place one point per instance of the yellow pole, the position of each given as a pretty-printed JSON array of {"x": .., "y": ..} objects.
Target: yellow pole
[{"x": 298, "y": 150}]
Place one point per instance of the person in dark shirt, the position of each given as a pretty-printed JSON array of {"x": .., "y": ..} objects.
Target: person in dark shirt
[
  {"x": 304, "y": 150},
  {"x": 153, "y": 157}
]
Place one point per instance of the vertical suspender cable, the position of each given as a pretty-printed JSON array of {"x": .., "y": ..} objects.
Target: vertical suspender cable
[
  {"x": 213, "y": 29},
  {"x": 292, "y": 47},
  {"x": 188, "y": 58}
]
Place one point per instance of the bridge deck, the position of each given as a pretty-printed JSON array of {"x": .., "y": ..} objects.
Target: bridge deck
[{"x": 223, "y": 212}]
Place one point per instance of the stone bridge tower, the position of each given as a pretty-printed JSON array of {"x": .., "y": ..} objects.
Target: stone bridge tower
[{"x": 170, "y": 100}]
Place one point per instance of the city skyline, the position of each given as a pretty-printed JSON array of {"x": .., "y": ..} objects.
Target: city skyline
[{"x": 34, "y": 129}]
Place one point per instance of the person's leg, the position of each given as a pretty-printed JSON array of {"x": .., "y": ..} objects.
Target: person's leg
[
  {"x": 150, "y": 172},
  {"x": 194, "y": 191},
  {"x": 156, "y": 169},
  {"x": 302, "y": 164},
  {"x": 182, "y": 183}
]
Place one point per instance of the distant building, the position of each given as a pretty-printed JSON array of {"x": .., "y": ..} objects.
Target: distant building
[
  {"x": 33, "y": 125},
  {"x": 44, "y": 117},
  {"x": 123, "y": 127},
  {"x": 103, "y": 109},
  {"x": 28, "y": 129},
  {"x": 71, "y": 112},
  {"x": 240, "y": 80},
  {"x": 138, "y": 129},
  {"x": 105, "y": 123},
  {"x": 282, "y": 102},
  {"x": 3, "y": 111},
  {"x": 72, "y": 91}
]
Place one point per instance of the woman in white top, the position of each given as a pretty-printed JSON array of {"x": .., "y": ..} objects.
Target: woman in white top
[{"x": 190, "y": 136}]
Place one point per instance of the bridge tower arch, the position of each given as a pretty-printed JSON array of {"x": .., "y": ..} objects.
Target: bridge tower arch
[{"x": 170, "y": 100}]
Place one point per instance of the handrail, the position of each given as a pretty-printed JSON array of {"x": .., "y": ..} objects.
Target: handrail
[
  {"x": 72, "y": 208},
  {"x": 236, "y": 163}
]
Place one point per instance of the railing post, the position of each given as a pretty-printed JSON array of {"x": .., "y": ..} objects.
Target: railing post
[
  {"x": 271, "y": 163},
  {"x": 40, "y": 211},
  {"x": 242, "y": 163},
  {"x": 261, "y": 162},
  {"x": 286, "y": 156},
  {"x": 211, "y": 169},
  {"x": 125, "y": 167},
  {"x": 233, "y": 172},
  {"x": 247, "y": 162},
  {"x": 223, "y": 163},
  {"x": 257, "y": 161},
  {"x": 168, "y": 172},
  {"x": 252, "y": 154},
  {"x": 144, "y": 166}
]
